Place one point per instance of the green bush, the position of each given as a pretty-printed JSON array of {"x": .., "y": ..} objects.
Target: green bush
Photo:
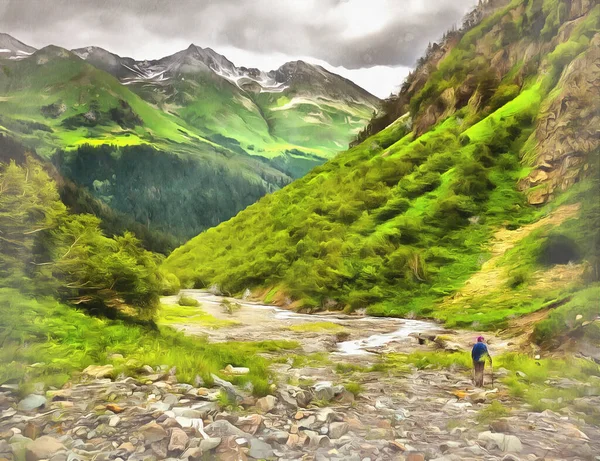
[
  {"x": 187, "y": 301},
  {"x": 53, "y": 252}
]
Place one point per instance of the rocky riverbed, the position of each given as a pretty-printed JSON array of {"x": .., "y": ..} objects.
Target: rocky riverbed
[{"x": 416, "y": 414}]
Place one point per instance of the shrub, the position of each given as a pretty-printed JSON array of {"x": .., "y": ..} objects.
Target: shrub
[{"x": 187, "y": 301}]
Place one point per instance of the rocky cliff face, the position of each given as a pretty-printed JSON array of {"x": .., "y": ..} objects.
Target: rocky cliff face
[
  {"x": 532, "y": 40},
  {"x": 568, "y": 133}
]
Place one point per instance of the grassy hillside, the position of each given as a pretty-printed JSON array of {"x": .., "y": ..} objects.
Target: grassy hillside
[
  {"x": 107, "y": 139},
  {"x": 401, "y": 222},
  {"x": 73, "y": 297}
]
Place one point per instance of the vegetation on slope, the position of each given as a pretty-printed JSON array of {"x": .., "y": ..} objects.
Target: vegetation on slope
[
  {"x": 108, "y": 291},
  {"x": 47, "y": 341},
  {"x": 178, "y": 158},
  {"x": 399, "y": 222}
]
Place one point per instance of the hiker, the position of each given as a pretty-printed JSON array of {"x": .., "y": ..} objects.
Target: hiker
[{"x": 479, "y": 354}]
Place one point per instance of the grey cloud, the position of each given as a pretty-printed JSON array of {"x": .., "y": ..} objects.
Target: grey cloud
[{"x": 312, "y": 28}]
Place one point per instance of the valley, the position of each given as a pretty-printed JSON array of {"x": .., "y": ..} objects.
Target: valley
[{"x": 193, "y": 266}]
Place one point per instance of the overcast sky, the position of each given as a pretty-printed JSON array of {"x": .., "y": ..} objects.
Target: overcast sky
[{"x": 372, "y": 42}]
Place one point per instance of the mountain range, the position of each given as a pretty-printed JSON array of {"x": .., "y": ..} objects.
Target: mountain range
[{"x": 178, "y": 144}]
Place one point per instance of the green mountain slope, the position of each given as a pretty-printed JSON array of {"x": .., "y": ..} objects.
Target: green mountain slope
[
  {"x": 299, "y": 112},
  {"x": 177, "y": 154},
  {"x": 402, "y": 222}
]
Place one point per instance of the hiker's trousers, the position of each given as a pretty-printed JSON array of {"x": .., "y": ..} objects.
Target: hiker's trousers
[{"x": 478, "y": 368}]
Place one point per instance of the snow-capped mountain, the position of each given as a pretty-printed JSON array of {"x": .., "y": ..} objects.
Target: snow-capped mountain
[
  {"x": 12, "y": 48},
  {"x": 196, "y": 60}
]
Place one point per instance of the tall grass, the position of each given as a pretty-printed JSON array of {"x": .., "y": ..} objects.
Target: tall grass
[{"x": 61, "y": 341}]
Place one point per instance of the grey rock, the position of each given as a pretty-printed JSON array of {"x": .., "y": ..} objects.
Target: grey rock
[
  {"x": 178, "y": 441},
  {"x": 224, "y": 428},
  {"x": 192, "y": 454},
  {"x": 43, "y": 448},
  {"x": 159, "y": 449},
  {"x": 266, "y": 404},
  {"x": 32, "y": 402},
  {"x": 336, "y": 430},
  {"x": 230, "y": 390},
  {"x": 277, "y": 436},
  {"x": 504, "y": 442},
  {"x": 323, "y": 391},
  {"x": 209, "y": 444},
  {"x": 260, "y": 449},
  {"x": 152, "y": 432}
]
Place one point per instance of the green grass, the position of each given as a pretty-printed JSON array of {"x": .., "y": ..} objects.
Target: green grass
[
  {"x": 534, "y": 388},
  {"x": 62, "y": 341},
  {"x": 317, "y": 327},
  {"x": 191, "y": 315},
  {"x": 492, "y": 412}
]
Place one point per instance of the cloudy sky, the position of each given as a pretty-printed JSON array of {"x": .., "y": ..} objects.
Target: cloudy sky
[{"x": 372, "y": 42}]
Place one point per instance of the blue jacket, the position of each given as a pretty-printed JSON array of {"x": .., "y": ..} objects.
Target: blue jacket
[{"x": 479, "y": 352}]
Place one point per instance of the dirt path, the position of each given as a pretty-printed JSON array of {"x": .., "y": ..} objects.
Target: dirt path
[{"x": 492, "y": 277}]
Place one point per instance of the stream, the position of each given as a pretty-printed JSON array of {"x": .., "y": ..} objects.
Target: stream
[{"x": 259, "y": 320}]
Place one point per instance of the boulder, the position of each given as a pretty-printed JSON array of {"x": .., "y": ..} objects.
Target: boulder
[
  {"x": 260, "y": 449},
  {"x": 267, "y": 403},
  {"x": 152, "y": 432},
  {"x": 209, "y": 444},
  {"x": 323, "y": 391},
  {"x": 336, "y": 430},
  {"x": 32, "y": 402},
  {"x": 179, "y": 440},
  {"x": 224, "y": 428},
  {"x": 43, "y": 448},
  {"x": 506, "y": 443},
  {"x": 99, "y": 371}
]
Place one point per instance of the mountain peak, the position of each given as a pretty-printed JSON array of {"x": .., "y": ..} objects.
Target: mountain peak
[{"x": 12, "y": 48}]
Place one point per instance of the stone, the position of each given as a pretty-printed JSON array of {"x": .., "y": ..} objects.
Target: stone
[
  {"x": 59, "y": 394},
  {"x": 32, "y": 402},
  {"x": 510, "y": 458},
  {"x": 114, "y": 408},
  {"x": 179, "y": 440},
  {"x": 229, "y": 369},
  {"x": 415, "y": 457},
  {"x": 325, "y": 415},
  {"x": 260, "y": 449},
  {"x": 192, "y": 454},
  {"x": 99, "y": 371},
  {"x": 127, "y": 446},
  {"x": 278, "y": 436},
  {"x": 152, "y": 432},
  {"x": 504, "y": 442},
  {"x": 303, "y": 398},
  {"x": 336, "y": 430},
  {"x": 170, "y": 399},
  {"x": 266, "y": 404},
  {"x": 323, "y": 391},
  {"x": 230, "y": 390},
  {"x": 250, "y": 424},
  {"x": 32, "y": 430},
  {"x": 43, "y": 448},
  {"x": 209, "y": 444},
  {"x": 520, "y": 374},
  {"x": 224, "y": 428},
  {"x": 114, "y": 421},
  {"x": 159, "y": 449}
]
